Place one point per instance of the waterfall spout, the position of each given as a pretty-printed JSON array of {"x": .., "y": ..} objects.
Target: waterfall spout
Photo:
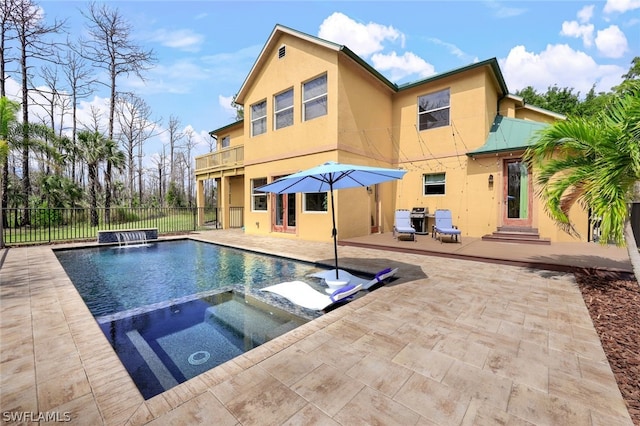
[{"x": 132, "y": 239}]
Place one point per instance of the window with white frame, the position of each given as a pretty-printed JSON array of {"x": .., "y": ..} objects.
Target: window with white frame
[
  {"x": 259, "y": 118},
  {"x": 434, "y": 184},
  {"x": 258, "y": 198},
  {"x": 283, "y": 109},
  {"x": 314, "y": 98},
  {"x": 315, "y": 202},
  {"x": 433, "y": 110},
  {"x": 226, "y": 142}
]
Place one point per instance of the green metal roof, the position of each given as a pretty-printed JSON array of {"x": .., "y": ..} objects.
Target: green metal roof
[
  {"x": 509, "y": 134},
  {"x": 492, "y": 63}
]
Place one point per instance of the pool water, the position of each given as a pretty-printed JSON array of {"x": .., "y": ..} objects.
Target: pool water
[
  {"x": 175, "y": 309},
  {"x": 113, "y": 279},
  {"x": 164, "y": 347}
]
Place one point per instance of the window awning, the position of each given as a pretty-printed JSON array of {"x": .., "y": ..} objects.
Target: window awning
[{"x": 509, "y": 134}]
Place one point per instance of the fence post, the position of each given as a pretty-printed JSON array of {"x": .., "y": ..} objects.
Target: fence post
[{"x": 195, "y": 218}]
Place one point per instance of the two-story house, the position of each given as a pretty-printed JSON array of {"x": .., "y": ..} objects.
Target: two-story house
[{"x": 460, "y": 135}]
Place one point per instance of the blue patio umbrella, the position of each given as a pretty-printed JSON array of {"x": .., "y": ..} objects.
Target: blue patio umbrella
[{"x": 329, "y": 176}]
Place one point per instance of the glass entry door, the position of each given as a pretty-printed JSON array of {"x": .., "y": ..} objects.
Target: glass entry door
[
  {"x": 284, "y": 213},
  {"x": 517, "y": 194}
]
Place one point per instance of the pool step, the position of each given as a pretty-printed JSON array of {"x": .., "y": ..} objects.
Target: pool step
[{"x": 244, "y": 319}]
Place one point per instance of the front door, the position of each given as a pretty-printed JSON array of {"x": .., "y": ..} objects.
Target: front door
[
  {"x": 284, "y": 213},
  {"x": 517, "y": 194}
]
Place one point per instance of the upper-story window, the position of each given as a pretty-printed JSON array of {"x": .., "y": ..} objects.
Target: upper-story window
[
  {"x": 433, "y": 110},
  {"x": 314, "y": 98},
  {"x": 259, "y": 118},
  {"x": 283, "y": 109},
  {"x": 226, "y": 142}
]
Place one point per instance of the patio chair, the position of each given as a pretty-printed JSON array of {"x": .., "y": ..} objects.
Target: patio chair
[
  {"x": 302, "y": 294},
  {"x": 403, "y": 225},
  {"x": 444, "y": 226},
  {"x": 380, "y": 278}
]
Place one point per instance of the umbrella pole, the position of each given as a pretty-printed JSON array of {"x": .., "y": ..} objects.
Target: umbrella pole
[{"x": 334, "y": 231}]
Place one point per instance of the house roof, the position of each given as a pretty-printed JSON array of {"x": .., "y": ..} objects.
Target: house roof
[
  {"x": 509, "y": 134},
  {"x": 225, "y": 128},
  {"x": 492, "y": 63},
  {"x": 522, "y": 104},
  {"x": 281, "y": 29}
]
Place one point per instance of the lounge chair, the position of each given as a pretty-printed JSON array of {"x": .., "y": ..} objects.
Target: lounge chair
[
  {"x": 444, "y": 225},
  {"x": 403, "y": 224},
  {"x": 302, "y": 294},
  {"x": 343, "y": 275}
]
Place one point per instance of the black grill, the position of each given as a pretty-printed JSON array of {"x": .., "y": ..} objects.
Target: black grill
[{"x": 418, "y": 217}]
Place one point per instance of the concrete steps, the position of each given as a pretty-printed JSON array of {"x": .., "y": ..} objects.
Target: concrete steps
[{"x": 510, "y": 234}]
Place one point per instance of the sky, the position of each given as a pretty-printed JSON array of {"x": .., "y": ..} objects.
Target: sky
[{"x": 205, "y": 49}]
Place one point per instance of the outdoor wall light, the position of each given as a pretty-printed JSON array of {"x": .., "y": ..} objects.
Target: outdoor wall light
[{"x": 490, "y": 180}]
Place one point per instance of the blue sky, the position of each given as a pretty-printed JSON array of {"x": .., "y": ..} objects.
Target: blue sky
[{"x": 205, "y": 49}]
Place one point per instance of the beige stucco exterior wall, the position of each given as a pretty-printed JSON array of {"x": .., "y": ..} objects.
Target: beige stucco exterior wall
[
  {"x": 443, "y": 150},
  {"x": 365, "y": 124},
  {"x": 532, "y": 114},
  {"x": 294, "y": 148},
  {"x": 235, "y": 134},
  {"x": 372, "y": 124}
]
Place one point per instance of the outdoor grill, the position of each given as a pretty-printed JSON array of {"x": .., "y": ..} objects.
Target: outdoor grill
[{"x": 419, "y": 219}]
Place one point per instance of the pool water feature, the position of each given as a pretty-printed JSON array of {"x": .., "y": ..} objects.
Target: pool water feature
[{"x": 175, "y": 309}]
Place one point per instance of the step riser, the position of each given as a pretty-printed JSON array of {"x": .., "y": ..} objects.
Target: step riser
[{"x": 518, "y": 240}]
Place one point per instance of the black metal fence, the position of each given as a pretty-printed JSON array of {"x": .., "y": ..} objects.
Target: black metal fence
[{"x": 31, "y": 226}]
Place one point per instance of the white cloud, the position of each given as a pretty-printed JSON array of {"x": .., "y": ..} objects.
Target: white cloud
[
  {"x": 184, "y": 39},
  {"x": 225, "y": 104},
  {"x": 368, "y": 41},
  {"x": 611, "y": 42},
  {"x": 232, "y": 67},
  {"x": 455, "y": 50},
  {"x": 398, "y": 67},
  {"x": 621, "y": 6},
  {"x": 585, "y": 14},
  {"x": 581, "y": 27},
  {"x": 574, "y": 29},
  {"x": 179, "y": 77},
  {"x": 363, "y": 39},
  {"x": 557, "y": 65},
  {"x": 502, "y": 11}
]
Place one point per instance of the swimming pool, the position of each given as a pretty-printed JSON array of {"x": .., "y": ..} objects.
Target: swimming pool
[
  {"x": 112, "y": 279},
  {"x": 175, "y": 309}
]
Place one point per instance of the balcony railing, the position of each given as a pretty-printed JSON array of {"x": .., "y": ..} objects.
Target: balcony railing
[{"x": 219, "y": 160}]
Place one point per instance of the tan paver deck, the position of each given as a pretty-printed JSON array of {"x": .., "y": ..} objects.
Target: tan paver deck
[{"x": 450, "y": 342}]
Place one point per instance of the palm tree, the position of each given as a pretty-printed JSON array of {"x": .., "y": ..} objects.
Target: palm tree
[
  {"x": 595, "y": 162},
  {"x": 91, "y": 146},
  {"x": 8, "y": 110}
]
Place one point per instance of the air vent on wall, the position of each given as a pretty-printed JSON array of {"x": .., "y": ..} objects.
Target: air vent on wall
[{"x": 281, "y": 52}]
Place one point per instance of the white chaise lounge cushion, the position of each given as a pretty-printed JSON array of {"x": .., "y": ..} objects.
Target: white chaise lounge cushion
[
  {"x": 304, "y": 295},
  {"x": 366, "y": 283}
]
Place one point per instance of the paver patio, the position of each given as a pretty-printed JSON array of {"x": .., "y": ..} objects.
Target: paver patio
[{"x": 449, "y": 342}]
